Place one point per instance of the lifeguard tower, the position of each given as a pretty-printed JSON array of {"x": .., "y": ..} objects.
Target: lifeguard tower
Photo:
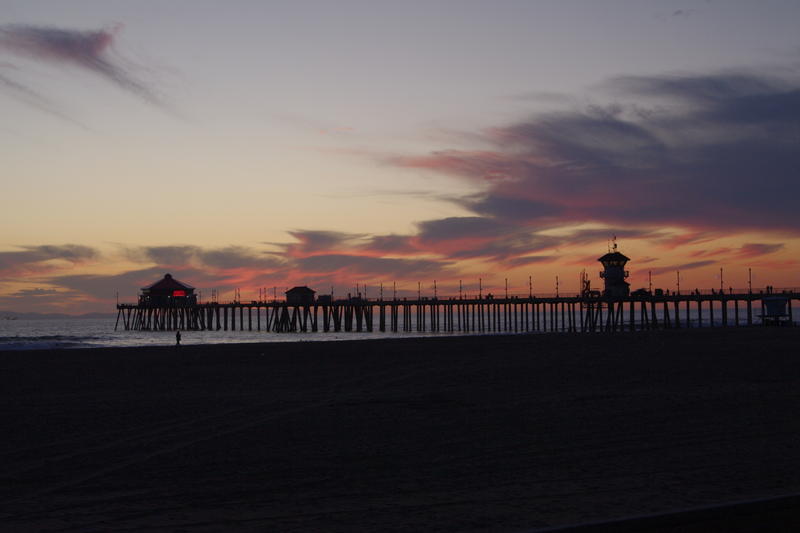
[
  {"x": 614, "y": 274},
  {"x": 774, "y": 311}
]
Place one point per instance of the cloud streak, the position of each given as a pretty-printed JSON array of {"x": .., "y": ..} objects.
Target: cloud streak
[
  {"x": 31, "y": 259},
  {"x": 33, "y": 98},
  {"x": 88, "y": 50}
]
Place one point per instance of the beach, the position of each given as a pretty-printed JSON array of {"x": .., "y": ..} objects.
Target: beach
[{"x": 481, "y": 433}]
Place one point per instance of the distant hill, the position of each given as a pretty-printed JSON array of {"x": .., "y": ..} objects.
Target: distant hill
[{"x": 13, "y": 315}]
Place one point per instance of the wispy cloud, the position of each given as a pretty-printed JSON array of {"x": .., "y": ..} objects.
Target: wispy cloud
[
  {"x": 758, "y": 249},
  {"x": 683, "y": 266},
  {"x": 31, "y": 259},
  {"x": 23, "y": 93},
  {"x": 370, "y": 266},
  {"x": 91, "y": 51},
  {"x": 219, "y": 259}
]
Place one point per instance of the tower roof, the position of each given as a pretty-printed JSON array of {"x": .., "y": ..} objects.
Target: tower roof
[
  {"x": 613, "y": 256},
  {"x": 300, "y": 290},
  {"x": 168, "y": 283}
]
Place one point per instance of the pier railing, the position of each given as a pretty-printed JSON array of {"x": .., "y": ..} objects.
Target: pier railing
[{"x": 484, "y": 314}]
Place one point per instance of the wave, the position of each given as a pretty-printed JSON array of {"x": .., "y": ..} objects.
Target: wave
[{"x": 46, "y": 342}]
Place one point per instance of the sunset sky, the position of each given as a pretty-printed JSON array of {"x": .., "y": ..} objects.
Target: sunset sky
[{"x": 251, "y": 144}]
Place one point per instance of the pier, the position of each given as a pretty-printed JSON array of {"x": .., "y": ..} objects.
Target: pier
[{"x": 585, "y": 313}]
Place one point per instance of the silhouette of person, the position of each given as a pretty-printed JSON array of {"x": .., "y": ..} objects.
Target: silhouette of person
[{"x": 178, "y": 339}]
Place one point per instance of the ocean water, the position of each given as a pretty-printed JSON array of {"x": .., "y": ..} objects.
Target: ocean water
[
  {"x": 29, "y": 334},
  {"x": 33, "y": 334}
]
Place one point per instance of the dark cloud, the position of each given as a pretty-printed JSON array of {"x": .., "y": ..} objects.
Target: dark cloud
[
  {"x": 707, "y": 153},
  {"x": 710, "y": 252},
  {"x": 313, "y": 241},
  {"x": 684, "y": 266},
  {"x": 89, "y": 50},
  {"x": 376, "y": 266},
  {"x": 238, "y": 257},
  {"x": 506, "y": 247},
  {"x": 453, "y": 228},
  {"x": 29, "y": 255},
  {"x": 34, "y": 293},
  {"x": 759, "y": 249},
  {"x": 165, "y": 255},
  {"x": 391, "y": 244},
  {"x": 530, "y": 260},
  {"x": 229, "y": 257},
  {"x": 513, "y": 208}
]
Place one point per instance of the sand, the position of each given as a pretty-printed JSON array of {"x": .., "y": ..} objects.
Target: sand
[{"x": 491, "y": 433}]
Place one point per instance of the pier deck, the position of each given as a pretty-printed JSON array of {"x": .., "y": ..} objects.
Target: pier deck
[{"x": 467, "y": 315}]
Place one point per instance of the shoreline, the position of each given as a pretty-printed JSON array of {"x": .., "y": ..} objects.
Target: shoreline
[
  {"x": 410, "y": 337},
  {"x": 470, "y": 433}
]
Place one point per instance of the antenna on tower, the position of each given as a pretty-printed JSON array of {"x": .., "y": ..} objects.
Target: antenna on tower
[{"x": 615, "y": 242}]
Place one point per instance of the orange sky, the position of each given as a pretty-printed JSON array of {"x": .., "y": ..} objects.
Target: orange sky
[{"x": 270, "y": 146}]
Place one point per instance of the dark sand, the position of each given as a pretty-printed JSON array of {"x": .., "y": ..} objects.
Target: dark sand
[{"x": 503, "y": 433}]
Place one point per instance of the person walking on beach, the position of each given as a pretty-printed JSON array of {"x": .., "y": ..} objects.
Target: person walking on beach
[{"x": 178, "y": 339}]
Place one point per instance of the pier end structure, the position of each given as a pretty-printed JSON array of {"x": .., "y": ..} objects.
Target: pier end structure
[
  {"x": 168, "y": 292},
  {"x": 300, "y": 296},
  {"x": 614, "y": 275}
]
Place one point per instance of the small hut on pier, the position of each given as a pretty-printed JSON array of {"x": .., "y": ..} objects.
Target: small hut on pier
[
  {"x": 300, "y": 296},
  {"x": 614, "y": 274},
  {"x": 168, "y": 292}
]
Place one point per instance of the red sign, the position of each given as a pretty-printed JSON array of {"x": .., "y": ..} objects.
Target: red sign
[{"x": 179, "y": 293}]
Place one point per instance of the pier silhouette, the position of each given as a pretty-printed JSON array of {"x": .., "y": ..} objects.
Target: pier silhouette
[
  {"x": 488, "y": 314},
  {"x": 169, "y": 304}
]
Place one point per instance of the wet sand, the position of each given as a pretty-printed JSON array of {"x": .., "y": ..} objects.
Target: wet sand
[{"x": 496, "y": 433}]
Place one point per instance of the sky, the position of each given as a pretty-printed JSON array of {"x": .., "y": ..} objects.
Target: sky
[{"x": 259, "y": 145}]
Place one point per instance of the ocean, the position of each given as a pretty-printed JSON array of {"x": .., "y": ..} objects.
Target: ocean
[{"x": 51, "y": 333}]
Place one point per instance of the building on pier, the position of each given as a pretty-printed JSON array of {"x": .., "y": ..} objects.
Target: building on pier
[
  {"x": 614, "y": 274},
  {"x": 300, "y": 296},
  {"x": 167, "y": 292}
]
